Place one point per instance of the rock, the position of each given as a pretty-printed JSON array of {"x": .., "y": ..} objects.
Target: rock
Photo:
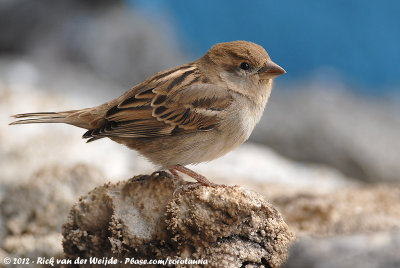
[
  {"x": 346, "y": 211},
  {"x": 352, "y": 133},
  {"x": 31, "y": 213},
  {"x": 367, "y": 251},
  {"x": 143, "y": 219},
  {"x": 356, "y": 226}
]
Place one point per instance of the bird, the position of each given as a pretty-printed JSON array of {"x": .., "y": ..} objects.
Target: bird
[{"x": 185, "y": 115}]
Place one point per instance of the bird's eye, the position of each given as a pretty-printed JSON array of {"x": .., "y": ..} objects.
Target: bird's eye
[{"x": 244, "y": 66}]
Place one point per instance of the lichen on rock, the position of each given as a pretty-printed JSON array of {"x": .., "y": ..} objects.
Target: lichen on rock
[{"x": 142, "y": 218}]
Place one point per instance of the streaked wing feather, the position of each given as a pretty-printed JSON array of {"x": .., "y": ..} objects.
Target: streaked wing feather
[{"x": 167, "y": 103}]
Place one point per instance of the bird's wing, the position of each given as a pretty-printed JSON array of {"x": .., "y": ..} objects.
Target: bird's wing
[{"x": 161, "y": 111}]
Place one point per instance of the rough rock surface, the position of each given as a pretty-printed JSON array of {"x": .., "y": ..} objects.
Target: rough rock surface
[
  {"x": 31, "y": 213},
  {"x": 349, "y": 227},
  {"x": 351, "y": 210},
  {"x": 373, "y": 251},
  {"x": 142, "y": 218}
]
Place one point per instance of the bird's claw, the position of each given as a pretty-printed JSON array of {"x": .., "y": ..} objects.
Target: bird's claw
[{"x": 186, "y": 187}]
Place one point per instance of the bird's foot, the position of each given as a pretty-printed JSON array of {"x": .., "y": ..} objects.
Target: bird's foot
[
  {"x": 199, "y": 178},
  {"x": 173, "y": 174},
  {"x": 186, "y": 187}
]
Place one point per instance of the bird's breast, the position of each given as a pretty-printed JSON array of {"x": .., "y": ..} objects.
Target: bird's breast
[{"x": 239, "y": 123}]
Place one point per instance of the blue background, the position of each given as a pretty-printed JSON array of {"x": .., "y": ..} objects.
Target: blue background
[{"x": 359, "y": 40}]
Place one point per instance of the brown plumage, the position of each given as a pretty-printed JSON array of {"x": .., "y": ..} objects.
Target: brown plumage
[{"x": 185, "y": 115}]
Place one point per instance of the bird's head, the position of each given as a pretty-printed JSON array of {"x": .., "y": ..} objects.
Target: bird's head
[
  {"x": 243, "y": 66},
  {"x": 243, "y": 59}
]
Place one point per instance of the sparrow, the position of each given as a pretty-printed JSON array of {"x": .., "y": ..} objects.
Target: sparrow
[{"x": 185, "y": 115}]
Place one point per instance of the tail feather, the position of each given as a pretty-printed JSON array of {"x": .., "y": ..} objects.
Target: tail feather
[
  {"x": 46, "y": 117},
  {"x": 34, "y": 114}
]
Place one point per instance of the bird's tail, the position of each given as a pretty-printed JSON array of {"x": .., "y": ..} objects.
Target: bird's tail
[{"x": 47, "y": 117}]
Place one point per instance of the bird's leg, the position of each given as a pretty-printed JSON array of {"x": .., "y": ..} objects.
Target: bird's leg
[
  {"x": 199, "y": 178},
  {"x": 175, "y": 174}
]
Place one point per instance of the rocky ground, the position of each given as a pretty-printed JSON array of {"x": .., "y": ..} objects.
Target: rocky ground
[{"x": 148, "y": 218}]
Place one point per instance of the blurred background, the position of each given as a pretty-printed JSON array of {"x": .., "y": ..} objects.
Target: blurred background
[
  {"x": 337, "y": 105},
  {"x": 335, "y": 113}
]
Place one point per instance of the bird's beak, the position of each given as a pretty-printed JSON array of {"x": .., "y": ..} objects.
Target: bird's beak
[{"x": 271, "y": 70}]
